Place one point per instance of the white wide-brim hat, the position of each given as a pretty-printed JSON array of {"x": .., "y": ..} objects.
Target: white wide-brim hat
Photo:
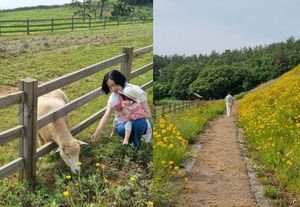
[{"x": 130, "y": 92}]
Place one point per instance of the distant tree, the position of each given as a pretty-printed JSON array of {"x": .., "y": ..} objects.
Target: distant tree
[
  {"x": 87, "y": 8},
  {"x": 122, "y": 9},
  {"x": 159, "y": 62},
  {"x": 84, "y": 9},
  {"x": 213, "y": 82},
  {"x": 101, "y": 6},
  {"x": 184, "y": 76}
]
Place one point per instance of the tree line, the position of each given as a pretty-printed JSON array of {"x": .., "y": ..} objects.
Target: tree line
[{"x": 213, "y": 75}]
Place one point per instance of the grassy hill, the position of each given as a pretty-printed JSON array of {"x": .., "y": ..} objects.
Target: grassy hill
[
  {"x": 270, "y": 117},
  {"x": 46, "y": 56},
  {"x": 38, "y": 12},
  {"x": 29, "y": 20},
  {"x": 64, "y": 11}
]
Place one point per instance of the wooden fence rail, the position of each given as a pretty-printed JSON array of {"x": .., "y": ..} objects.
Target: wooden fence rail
[
  {"x": 29, "y": 124},
  {"x": 160, "y": 110},
  {"x": 39, "y": 25}
]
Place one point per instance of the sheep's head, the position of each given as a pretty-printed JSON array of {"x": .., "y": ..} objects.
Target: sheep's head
[{"x": 69, "y": 152}]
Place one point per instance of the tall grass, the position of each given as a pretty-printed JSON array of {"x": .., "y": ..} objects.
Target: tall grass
[{"x": 270, "y": 117}]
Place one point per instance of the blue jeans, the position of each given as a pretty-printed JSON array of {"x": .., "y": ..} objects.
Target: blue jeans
[{"x": 138, "y": 129}]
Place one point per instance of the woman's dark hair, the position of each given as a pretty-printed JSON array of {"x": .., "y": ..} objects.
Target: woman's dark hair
[{"x": 116, "y": 76}]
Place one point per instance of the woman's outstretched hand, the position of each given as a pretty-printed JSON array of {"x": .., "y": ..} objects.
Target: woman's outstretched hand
[
  {"x": 112, "y": 134},
  {"x": 125, "y": 142},
  {"x": 95, "y": 137}
]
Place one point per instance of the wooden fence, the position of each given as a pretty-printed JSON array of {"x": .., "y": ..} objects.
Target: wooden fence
[
  {"x": 160, "y": 110},
  {"x": 27, "y": 98},
  {"x": 39, "y": 25}
]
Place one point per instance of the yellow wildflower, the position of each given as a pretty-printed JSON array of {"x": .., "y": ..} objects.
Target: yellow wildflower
[
  {"x": 132, "y": 178},
  {"x": 66, "y": 193},
  {"x": 68, "y": 177},
  {"x": 171, "y": 146},
  {"x": 171, "y": 162},
  {"x": 150, "y": 203}
]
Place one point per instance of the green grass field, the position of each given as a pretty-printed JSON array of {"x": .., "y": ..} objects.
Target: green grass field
[
  {"x": 56, "y": 18},
  {"x": 40, "y": 13},
  {"x": 66, "y": 11},
  {"x": 47, "y": 56}
]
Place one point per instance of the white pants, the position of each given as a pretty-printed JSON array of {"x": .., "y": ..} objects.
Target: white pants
[{"x": 228, "y": 108}]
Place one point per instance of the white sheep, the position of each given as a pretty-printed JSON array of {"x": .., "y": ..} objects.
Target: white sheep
[{"x": 58, "y": 130}]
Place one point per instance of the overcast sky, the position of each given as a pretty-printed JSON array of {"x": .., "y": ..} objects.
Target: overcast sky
[
  {"x": 200, "y": 26},
  {"x": 11, "y": 4}
]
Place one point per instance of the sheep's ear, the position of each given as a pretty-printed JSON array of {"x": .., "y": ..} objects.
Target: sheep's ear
[{"x": 81, "y": 142}]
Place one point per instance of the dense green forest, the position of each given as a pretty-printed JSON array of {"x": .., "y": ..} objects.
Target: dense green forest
[{"x": 213, "y": 75}]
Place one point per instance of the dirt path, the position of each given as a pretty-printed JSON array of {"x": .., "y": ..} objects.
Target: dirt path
[{"x": 219, "y": 176}]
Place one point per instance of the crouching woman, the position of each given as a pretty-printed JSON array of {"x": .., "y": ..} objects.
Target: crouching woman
[{"x": 114, "y": 82}]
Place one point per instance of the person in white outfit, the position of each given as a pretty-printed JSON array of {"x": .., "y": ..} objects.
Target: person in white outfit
[{"x": 229, "y": 101}]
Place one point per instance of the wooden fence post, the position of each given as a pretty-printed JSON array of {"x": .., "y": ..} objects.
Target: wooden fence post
[
  {"x": 174, "y": 107},
  {"x": 127, "y": 64},
  {"x": 52, "y": 24},
  {"x": 118, "y": 21},
  {"x": 28, "y": 26},
  {"x": 28, "y": 118},
  {"x": 72, "y": 23},
  {"x": 104, "y": 25},
  {"x": 90, "y": 19}
]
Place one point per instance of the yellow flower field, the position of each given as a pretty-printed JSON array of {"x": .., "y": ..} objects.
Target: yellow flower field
[{"x": 270, "y": 117}]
